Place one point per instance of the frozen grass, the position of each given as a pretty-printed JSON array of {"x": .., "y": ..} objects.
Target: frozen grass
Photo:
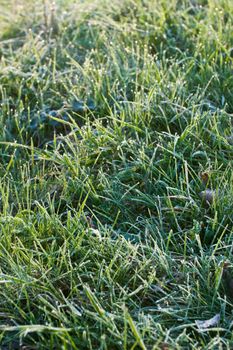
[{"x": 110, "y": 112}]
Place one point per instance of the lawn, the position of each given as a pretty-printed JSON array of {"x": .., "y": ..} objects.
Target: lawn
[{"x": 116, "y": 181}]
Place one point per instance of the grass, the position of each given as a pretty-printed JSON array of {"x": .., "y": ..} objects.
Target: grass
[{"x": 111, "y": 112}]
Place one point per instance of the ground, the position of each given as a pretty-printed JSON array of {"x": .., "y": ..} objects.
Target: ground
[{"x": 116, "y": 182}]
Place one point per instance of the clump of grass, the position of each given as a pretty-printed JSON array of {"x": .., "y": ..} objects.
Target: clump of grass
[{"x": 107, "y": 124}]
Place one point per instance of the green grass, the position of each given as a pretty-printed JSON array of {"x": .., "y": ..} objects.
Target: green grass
[{"x": 109, "y": 114}]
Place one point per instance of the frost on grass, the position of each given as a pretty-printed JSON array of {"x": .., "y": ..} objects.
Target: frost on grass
[{"x": 204, "y": 325}]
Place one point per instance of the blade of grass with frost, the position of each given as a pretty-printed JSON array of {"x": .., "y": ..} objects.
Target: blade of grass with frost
[
  {"x": 94, "y": 302},
  {"x": 135, "y": 332}
]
